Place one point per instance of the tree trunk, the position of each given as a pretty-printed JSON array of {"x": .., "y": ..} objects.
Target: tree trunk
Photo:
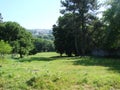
[
  {"x": 83, "y": 34},
  {"x": 60, "y": 54},
  {"x": 69, "y": 54},
  {"x": 76, "y": 34},
  {"x": 76, "y": 45},
  {"x": 21, "y": 56}
]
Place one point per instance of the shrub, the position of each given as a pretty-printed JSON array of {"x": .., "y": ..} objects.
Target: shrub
[{"x": 5, "y": 48}]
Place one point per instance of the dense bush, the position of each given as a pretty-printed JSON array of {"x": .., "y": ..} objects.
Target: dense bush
[{"x": 5, "y": 48}]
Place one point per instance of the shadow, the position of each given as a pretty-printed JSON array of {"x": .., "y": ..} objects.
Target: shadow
[
  {"x": 30, "y": 59},
  {"x": 35, "y": 59},
  {"x": 58, "y": 57},
  {"x": 112, "y": 63}
]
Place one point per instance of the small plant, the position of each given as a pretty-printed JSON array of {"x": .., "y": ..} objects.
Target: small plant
[
  {"x": 31, "y": 81},
  {"x": 48, "y": 82}
]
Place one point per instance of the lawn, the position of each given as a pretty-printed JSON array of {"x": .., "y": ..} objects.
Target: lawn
[{"x": 48, "y": 71}]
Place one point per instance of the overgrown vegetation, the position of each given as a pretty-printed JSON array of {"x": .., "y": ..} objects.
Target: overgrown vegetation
[{"x": 49, "y": 71}]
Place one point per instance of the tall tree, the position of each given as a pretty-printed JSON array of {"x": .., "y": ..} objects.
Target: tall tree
[
  {"x": 64, "y": 37},
  {"x": 84, "y": 9},
  {"x": 112, "y": 20},
  {"x": 59, "y": 39}
]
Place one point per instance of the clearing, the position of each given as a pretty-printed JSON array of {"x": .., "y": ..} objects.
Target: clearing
[{"x": 48, "y": 71}]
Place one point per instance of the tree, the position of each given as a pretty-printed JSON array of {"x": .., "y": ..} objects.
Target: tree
[
  {"x": 5, "y": 48},
  {"x": 24, "y": 42},
  {"x": 112, "y": 20},
  {"x": 96, "y": 35},
  {"x": 72, "y": 32},
  {"x": 12, "y": 31},
  {"x": 42, "y": 45},
  {"x": 84, "y": 10},
  {"x": 59, "y": 39},
  {"x": 17, "y": 37},
  {"x": 2, "y": 28},
  {"x": 64, "y": 37}
]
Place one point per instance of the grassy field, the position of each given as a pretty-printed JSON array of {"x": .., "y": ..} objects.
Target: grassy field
[{"x": 48, "y": 71}]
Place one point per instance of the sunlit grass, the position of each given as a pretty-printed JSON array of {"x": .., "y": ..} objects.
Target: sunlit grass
[{"x": 48, "y": 71}]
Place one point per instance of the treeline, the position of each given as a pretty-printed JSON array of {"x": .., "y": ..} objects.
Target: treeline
[
  {"x": 42, "y": 45},
  {"x": 80, "y": 32},
  {"x": 17, "y": 40}
]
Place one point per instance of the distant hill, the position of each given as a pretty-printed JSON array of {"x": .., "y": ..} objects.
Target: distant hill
[{"x": 40, "y": 31}]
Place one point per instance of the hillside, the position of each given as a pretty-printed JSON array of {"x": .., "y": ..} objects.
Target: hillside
[{"x": 40, "y": 31}]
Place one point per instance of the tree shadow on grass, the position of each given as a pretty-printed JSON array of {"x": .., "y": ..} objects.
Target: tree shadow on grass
[
  {"x": 35, "y": 59},
  {"x": 59, "y": 57},
  {"x": 30, "y": 59},
  {"x": 112, "y": 63}
]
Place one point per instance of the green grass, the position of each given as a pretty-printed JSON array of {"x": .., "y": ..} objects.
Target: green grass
[{"x": 48, "y": 71}]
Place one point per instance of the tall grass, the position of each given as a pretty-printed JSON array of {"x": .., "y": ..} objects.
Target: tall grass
[{"x": 48, "y": 71}]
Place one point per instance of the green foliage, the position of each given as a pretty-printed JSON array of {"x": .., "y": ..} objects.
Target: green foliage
[
  {"x": 10, "y": 31},
  {"x": 111, "y": 18},
  {"x": 42, "y": 45},
  {"x": 68, "y": 39},
  {"x": 59, "y": 39},
  {"x": 80, "y": 32},
  {"x": 17, "y": 37},
  {"x": 25, "y": 42},
  {"x": 77, "y": 30},
  {"x": 46, "y": 36},
  {"x": 83, "y": 14},
  {"x": 64, "y": 35},
  {"x": 5, "y": 48}
]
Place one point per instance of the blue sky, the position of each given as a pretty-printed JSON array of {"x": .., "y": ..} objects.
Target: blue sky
[{"x": 31, "y": 14}]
